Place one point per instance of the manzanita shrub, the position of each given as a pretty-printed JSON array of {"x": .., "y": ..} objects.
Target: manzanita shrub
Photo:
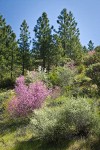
[{"x": 28, "y": 97}]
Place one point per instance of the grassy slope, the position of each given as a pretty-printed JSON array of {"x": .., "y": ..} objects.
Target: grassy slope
[
  {"x": 11, "y": 142},
  {"x": 13, "y": 139}
]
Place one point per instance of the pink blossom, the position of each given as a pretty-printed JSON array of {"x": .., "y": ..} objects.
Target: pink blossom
[
  {"x": 27, "y": 98},
  {"x": 91, "y": 52}
]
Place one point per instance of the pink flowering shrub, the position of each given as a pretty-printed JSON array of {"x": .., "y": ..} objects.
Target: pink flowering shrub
[
  {"x": 27, "y": 98},
  {"x": 90, "y": 53}
]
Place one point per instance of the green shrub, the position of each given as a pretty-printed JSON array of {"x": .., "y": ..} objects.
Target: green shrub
[
  {"x": 92, "y": 59},
  {"x": 43, "y": 122},
  {"x": 80, "y": 113},
  {"x": 84, "y": 87},
  {"x": 93, "y": 71},
  {"x": 62, "y": 76},
  {"x": 74, "y": 118}
]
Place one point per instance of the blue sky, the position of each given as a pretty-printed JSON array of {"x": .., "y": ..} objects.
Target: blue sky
[{"x": 86, "y": 13}]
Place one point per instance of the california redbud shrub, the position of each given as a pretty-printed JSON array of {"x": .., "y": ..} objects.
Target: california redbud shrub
[{"x": 27, "y": 98}]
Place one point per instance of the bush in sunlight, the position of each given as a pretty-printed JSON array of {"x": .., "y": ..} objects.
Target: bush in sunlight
[{"x": 27, "y": 98}]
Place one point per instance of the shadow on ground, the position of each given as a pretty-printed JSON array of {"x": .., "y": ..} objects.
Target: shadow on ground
[
  {"x": 81, "y": 144},
  {"x": 38, "y": 145}
]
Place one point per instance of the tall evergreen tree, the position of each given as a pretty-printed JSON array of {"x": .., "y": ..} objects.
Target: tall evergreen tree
[
  {"x": 2, "y": 46},
  {"x": 8, "y": 50},
  {"x": 42, "y": 42},
  {"x": 58, "y": 51},
  {"x": 90, "y": 46},
  {"x": 24, "y": 46},
  {"x": 69, "y": 34},
  {"x": 85, "y": 50},
  {"x": 12, "y": 51}
]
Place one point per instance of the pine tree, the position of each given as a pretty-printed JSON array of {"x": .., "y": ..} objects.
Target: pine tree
[
  {"x": 58, "y": 51},
  {"x": 42, "y": 42},
  {"x": 24, "y": 46},
  {"x": 8, "y": 50},
  {"x": 85, "y": 50},
  {"x": 69, "y": 34},
  {"x": 2, "y": 46},
  {"x": 12, "y": 51},
  {"x": 90, "y": 46}
]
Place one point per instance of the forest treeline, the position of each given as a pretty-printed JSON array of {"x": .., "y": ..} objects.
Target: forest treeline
[{"x": 49, "y": 48}]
